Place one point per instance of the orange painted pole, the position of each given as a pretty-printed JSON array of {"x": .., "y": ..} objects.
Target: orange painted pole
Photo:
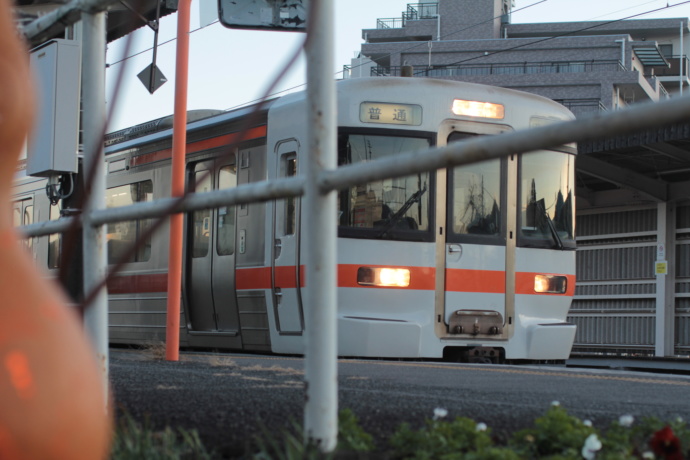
[
  {"x": 172, "y": 333},
  {"x": 51, "y": 394}
]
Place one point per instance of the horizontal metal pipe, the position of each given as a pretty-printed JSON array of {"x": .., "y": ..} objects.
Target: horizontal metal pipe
[
  {"x": 249, "y": 193},
  {"x": 640, "y": 116}
]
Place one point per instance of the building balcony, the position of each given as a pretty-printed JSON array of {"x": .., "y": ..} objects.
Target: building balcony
[
  {"x": 415, "y": 11},
  {"x": 417, "y": 23}
]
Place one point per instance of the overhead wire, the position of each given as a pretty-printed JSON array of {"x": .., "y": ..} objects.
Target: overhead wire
[
  {"x": 599, "y": 24},
  {"x": 565, "y": 34}
]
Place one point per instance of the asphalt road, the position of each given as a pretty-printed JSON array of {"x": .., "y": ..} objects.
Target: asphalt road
[{"x": 231, "y": 398}]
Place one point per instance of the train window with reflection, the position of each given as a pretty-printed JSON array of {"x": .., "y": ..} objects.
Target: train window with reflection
[
  {"x": 396, "y": 208},
  {"x": 124, "y": 235},
  {"x": 201, "y": 230},
  {"x": 23, "y": 214},
  {"x": 54, "y": 239},
  {"x": 225, "y": 231},
  {"x": 475, "y": 200},
  {"x": 547, "y": 200}
]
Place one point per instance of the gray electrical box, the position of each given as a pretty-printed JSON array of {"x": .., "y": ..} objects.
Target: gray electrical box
[{"x": 54, "y": 143}]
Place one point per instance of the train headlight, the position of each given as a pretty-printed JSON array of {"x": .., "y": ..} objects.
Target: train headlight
[
  {"x": 550, "y": 284},
  {"x": 478, "y": 109},
  {"x": 383, "y": 276}
]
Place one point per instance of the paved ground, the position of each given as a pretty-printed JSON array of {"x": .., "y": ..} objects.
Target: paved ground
[{"x": 231, "y": 398}]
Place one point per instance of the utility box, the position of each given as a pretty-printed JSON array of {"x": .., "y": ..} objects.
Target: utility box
[{"x": 54, "y": 143}]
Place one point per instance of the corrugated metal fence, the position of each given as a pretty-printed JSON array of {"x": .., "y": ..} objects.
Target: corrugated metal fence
[{"x": 615, "y": 298}]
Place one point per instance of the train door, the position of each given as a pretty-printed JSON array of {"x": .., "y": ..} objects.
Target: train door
[
  {"x": 285, "y": 273},
  {"x": 210, "y": 267},
  {"x": 476, "y": 278}
]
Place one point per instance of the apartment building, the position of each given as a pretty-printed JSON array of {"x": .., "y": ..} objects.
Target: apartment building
[{"x": 633, "y": 192}]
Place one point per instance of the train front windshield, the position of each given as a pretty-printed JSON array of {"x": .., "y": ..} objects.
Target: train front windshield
[
  {"x": 388, "y": 209},
  {"x": 547, "y": 192}
]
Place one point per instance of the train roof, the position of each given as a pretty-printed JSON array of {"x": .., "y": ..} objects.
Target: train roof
[{"x": 161, "y": 128}]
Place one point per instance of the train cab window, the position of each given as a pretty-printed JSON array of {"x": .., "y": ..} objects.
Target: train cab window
[
  {"x": 546, "y": 200},
  {"x": 225, "y": 233},
  {"x": 396, "y": 208},
  {"x": 475, "y": 200},
  {"x": 122, "y": 235},
  {"x": 201, "y": 230}
]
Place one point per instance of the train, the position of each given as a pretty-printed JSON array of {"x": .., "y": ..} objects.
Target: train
[{"x": 475, "y": 262}]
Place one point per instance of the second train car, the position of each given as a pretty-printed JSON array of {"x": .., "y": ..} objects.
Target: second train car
[{"x": 474, "y": 262}]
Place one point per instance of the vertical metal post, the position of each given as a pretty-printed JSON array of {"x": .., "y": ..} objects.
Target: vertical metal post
[
  {"x": 179, "y": 150},
  {"x": 680, "y": 67},
  {"x": 93, "y": 122},
  {"x": 321, "y": 372},
  {"x": 666, "y": 283}
]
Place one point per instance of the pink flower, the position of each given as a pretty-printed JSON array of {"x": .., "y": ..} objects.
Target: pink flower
[{"x": 666, "y": 444}]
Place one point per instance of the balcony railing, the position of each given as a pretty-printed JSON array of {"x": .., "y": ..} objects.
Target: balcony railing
[
  {"x": 583, "y": 106},
  {"x": 390, "y": 23},
  {"x": 524, "y": 68},
  {"x": 676, "y": 65},
  {"x": 414, "y": 12},
  {"x": 421, "y": 11}
]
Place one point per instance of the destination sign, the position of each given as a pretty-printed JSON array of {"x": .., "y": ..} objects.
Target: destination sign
[{"x": 392, "y": 114}]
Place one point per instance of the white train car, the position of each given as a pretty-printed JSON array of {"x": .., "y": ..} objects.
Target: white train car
[{"x": 474, "y": 262}]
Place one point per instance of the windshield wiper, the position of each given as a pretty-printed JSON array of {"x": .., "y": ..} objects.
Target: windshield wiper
[
  {"x": 416, "y": 196},
  {"x": 552, "y": 227}
]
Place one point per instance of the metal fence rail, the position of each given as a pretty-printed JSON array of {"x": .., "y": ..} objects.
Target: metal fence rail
[{"x": 509, "y": 68}]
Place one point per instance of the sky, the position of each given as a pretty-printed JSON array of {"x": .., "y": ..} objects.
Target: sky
[{"x": 229, "y": 68}]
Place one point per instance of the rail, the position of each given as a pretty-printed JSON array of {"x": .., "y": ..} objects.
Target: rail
[
  {"x": 517, "y": 68},
  {"x": 390, "y": 23},
  {"x": 677, "y": 64},
  {"x": 414, "y": 12},
  {"x": 582, "y": 106},
  {"x": 417, "y": 11}
]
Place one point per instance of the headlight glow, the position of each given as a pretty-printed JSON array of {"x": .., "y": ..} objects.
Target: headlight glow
[
  {"x": 478, "y": 109},
  {"x": 383, "y": 276},
  {"x": 550, "y": 284}
]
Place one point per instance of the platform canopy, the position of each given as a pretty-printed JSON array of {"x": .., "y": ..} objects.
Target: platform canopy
[{"x": 124, "y": 16}]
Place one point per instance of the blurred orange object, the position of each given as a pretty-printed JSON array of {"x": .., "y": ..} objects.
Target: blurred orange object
[{"x": 52, "y": 404}]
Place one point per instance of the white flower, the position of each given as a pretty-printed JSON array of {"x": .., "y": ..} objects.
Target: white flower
[
  {"x": 649, "y": 455},
  {"x": 626, "y": 420},
  {"x": 587, "y": 423},
  {"x": 439, "y": 413},
  {"x": 481, "y": 426},
  {"x": 679, "y": 419},
  {"x": 591, "y": 447},
  {"x": 555, "y": 403}
]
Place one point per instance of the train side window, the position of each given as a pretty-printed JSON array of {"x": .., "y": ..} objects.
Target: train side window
[
  {"x": 28, "y": 220},
  {"x": 122, "y": 235},
  {"x": 202, "y": 219},
  {"x": 290, "y": 203},
  {"x": 23, "y": 214},
  {"x": 17, "y": 214},
  {"x": 54, "y": 240},
  {"x": 227, "y": 178}
]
